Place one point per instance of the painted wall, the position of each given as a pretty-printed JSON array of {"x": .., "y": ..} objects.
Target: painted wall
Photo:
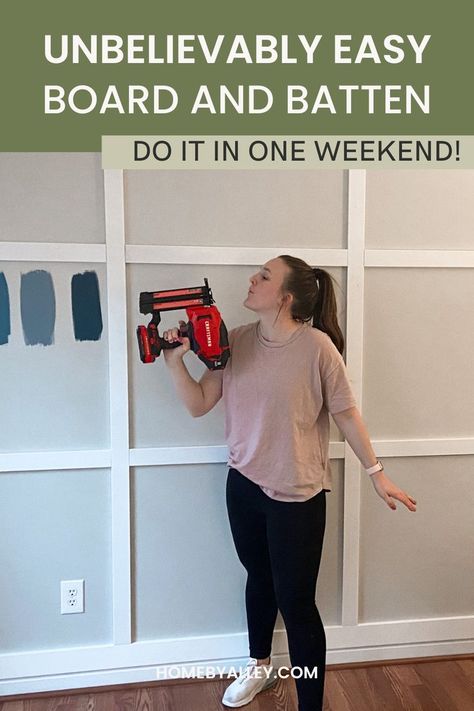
[
  {"x": 185, "y": 577},
  {"x": 54, "y": 525}
]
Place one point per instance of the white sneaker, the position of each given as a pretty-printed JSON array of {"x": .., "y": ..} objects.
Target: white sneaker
[{"x": 255, "y": 678}]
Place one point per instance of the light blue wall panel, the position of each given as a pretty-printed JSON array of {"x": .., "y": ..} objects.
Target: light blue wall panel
[
  {"x": 54, "y": 526},
  {"x": 51, "y": 197},
  {"x": 418, "y": 346},
  {"x": 54, "y": 397},
  {"x": 236, "y": 208},
  {"x": 187, "y": 577},
  {"x": 418, "y": 564},
  {"x": 420, "y": 209}
]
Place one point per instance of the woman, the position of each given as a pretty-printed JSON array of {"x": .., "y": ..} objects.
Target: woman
[{"x": 283, "y": 378}]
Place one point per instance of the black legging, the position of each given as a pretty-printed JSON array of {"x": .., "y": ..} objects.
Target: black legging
[{"x": 279, "y": 544}]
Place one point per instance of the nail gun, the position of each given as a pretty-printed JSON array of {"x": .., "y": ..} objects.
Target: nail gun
[{"x": 205, "y": 328}]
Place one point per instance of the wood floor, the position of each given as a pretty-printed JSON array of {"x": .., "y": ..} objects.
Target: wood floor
[{"x": 424, "y": 685}]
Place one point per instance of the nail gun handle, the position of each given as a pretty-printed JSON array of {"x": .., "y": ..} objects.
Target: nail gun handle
[{"x": 166, "y": 344}]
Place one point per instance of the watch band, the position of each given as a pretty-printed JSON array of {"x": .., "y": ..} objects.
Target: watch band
[{"x": 376, "y": 468}]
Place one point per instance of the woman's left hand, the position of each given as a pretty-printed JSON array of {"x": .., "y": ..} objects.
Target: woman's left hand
[{"x": 388, "y": 491}]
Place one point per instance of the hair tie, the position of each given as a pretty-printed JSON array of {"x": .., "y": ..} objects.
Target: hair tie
[{"x": 317, "y": 272}]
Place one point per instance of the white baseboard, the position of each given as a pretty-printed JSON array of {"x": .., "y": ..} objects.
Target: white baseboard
[{"x": 106, "y": 665}]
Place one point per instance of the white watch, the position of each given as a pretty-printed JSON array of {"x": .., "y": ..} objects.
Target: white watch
[{"x": 376, "y": 468}]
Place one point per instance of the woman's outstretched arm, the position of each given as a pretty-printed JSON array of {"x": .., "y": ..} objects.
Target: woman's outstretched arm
[{"x": 355, "y": 432}]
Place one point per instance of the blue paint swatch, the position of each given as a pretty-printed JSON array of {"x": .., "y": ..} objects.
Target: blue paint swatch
[
  {"x": 5, "y": 326},
  {"x": 38, "y": 308},
  {"x": 86, "y": 313}
]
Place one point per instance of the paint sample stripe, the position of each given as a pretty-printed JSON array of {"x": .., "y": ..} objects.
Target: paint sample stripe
[
  {"x": 38, "y": 308},
  {"x": 5, "y": 325},
  {"x": 86, "y": 312}
]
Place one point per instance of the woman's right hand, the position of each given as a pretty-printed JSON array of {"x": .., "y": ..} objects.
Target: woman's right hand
[{"x": 173, "y": 355}]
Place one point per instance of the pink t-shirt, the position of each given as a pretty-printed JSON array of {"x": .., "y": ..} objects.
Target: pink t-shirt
[{"x": 277, "y": 397}]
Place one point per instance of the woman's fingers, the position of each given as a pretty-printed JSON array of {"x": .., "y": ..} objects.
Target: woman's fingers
[
  {"x": 388, "y": 491},
  {"x": 171, "y": 334},
  {"x": 409, "y": 501},
  {"x": 174, "y": 334},
  {"x": 183, "y": 327}
]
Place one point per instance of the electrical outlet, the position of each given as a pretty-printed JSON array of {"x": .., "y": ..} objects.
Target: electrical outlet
[{"x": 72, "y": 596}]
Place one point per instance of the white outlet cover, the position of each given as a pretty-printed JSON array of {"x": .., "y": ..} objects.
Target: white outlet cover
[{"x": 72, "y": 596}]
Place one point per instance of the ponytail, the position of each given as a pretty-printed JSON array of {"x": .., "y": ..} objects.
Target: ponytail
[
  {"x": 325, "y": 309},
  {"x": 314, "y": 298}
]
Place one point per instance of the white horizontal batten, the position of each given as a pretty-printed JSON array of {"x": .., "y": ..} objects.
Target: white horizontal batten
[
  {"x": 452, "y": 446},
  {"x": 160, "y": 456},
  {"x": 44, "y": 461},
  {"x": 210, "y": 454},
  {"x": 419, "y": 258},
  {"x": 214, "y": 454},
  {"x": 233, "y": 256}
]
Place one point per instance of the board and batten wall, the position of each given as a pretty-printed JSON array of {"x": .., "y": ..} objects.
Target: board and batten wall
[{"x": 104, "y": 475}]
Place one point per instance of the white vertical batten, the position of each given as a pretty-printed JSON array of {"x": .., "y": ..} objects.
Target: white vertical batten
[
  {"x": 118, "y": 398},
  {"x": 354, "y": 351}
]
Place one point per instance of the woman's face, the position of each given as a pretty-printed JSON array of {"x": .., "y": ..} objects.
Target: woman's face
[{"x": 265, "y": 286}]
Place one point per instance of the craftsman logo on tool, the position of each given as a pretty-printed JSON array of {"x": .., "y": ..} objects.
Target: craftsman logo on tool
[{"x": 208, "y": 333}]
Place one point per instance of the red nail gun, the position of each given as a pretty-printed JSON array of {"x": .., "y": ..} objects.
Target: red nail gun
[{"x": 205, "y": 329}]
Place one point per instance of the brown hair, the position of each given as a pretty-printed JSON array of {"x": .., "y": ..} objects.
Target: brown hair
[{"x": 313, "y": 297}]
